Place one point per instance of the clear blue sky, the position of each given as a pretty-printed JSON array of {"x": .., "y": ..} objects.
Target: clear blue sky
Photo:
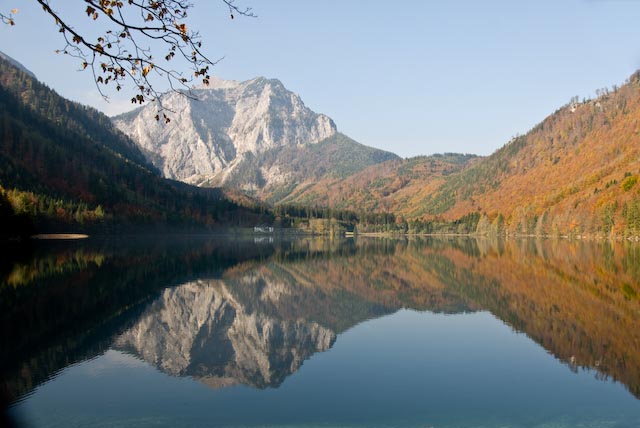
[{"x": 412, "y": 77}]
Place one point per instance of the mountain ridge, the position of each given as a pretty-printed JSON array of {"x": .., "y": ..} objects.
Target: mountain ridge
[{"x": 17, "y": 64}]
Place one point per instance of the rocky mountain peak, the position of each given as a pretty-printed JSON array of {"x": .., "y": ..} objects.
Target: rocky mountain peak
[{"x": 224, "y": 123}]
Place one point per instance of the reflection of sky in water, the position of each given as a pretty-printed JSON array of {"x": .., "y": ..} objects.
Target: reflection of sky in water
[
  {"x": 110, "y": 363},
  {"x": 406, "y": 369}
]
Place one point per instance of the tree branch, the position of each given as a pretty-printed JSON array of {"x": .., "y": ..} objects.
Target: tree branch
[{"x": 117, "y": 56}]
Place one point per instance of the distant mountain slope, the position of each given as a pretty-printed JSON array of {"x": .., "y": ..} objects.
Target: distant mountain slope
[
  {"x": 397, "y": 185},
  {"x": 574, "y": 173},
  {"x": 67, "y": 163},
  {"x": 255, "y": 136},
  {"x": 278, "y": 173},
  {"x": 16, "y": 64}
]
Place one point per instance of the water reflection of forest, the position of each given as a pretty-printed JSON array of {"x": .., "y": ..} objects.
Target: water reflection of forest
[{"x": 71, "y": 302}]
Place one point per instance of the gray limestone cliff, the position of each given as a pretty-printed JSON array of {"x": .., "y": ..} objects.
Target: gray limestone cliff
[{"x": 220, "y": 125}]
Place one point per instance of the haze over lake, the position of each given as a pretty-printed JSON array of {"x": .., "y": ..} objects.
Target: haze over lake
[{"x": 358, "y": 332}]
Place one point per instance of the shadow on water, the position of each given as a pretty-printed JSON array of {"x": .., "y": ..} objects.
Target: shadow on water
[{"x": 233, "y": 311}]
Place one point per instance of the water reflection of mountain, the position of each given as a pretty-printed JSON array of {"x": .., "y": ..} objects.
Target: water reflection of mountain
[
  {"x": 259, "y": 322},
  {"x": 251, "y": 314},
  {"x": 578, "y": 300},
  {"x": 201, "y": 329},
  {"x": 64, "y": 302}
]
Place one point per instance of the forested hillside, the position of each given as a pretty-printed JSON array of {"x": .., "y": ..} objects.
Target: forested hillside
[
  {"x": 64, "y": 166},
  {"x": 573, "y": 174},
  {"x": 398, "y": 186}
]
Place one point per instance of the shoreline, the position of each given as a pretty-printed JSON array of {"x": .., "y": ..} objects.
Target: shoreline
[
  {"x": 294, "y": 232},
  {"x": 59, "y": 236},
  {"x": 475, "y": 235}
]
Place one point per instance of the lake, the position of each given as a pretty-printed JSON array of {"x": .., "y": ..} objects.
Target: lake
[{"x": 366, "y": 332}]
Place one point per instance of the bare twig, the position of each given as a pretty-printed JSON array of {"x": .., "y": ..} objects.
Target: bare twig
[{"x": 7, "y": 18}]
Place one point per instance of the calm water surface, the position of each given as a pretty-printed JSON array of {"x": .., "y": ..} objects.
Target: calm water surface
[{"x": 220, "y": 332}]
